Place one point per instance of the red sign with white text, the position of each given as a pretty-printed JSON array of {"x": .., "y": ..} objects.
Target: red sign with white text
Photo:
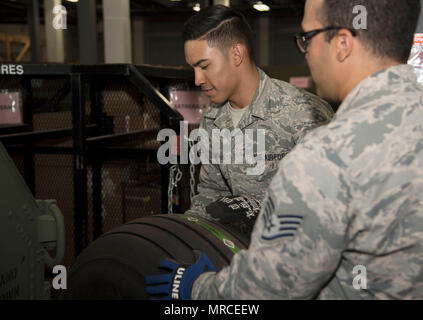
[
  {"x": 191, "y": 104},
  {"x": 10, "y": 107}
]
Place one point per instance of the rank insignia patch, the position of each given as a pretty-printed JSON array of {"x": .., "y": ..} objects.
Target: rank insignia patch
[{"x": 277, "y": 226}]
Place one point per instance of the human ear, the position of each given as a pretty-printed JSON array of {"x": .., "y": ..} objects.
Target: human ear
[
  {"x": 344, "y": 45},
  {"x": 238, "y": 53}
]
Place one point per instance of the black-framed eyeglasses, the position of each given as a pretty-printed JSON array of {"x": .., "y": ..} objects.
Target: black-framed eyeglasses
[{"x": 303, "y": 39}]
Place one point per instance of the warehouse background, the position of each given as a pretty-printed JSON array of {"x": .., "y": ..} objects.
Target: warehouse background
[
  {"x": 155, "y": 30},
  {"x": 138, "y": 32},
  {"x": 125, "y": 182}
]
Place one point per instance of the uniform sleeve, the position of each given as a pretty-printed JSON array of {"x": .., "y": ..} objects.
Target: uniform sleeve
[
  {"x": 211, "y": 187},
  {"x": 312, "y": 112},
  {"x": 299, "y": 236}
]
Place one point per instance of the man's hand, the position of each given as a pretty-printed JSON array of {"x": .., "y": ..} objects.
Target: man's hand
[
  {"x": 178, "y": 283},
  {"x": 237, "y": 212}
]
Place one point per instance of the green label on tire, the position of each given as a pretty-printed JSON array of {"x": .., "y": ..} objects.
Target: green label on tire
[{"x": 230, "y": 244}]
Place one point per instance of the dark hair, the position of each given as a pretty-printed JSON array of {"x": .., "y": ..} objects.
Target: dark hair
[
  {"x": 221, "y": 27},
  {"x": 390, "y": 24}
]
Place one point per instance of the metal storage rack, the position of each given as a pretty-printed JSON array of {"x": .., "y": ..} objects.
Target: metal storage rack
[{"x": 75, "y": 120}]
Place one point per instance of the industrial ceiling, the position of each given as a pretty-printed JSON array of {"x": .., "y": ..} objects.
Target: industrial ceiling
[{"x": 15, "y": 11}]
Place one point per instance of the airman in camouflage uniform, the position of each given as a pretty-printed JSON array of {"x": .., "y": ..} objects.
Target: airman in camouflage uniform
[
  {"x": 350, "y": 194},
  {"x": 285, "y": 112},
  {"x": 349, "y": 197},
  {"x": 224, "y": 68}
]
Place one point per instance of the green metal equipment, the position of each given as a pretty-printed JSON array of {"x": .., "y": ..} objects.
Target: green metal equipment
[{"x": 29, "y": 228}]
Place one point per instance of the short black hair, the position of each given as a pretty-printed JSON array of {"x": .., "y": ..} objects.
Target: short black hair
[
  {"x": 390, "y": 24},
  {"x": 221, "y": 27}
]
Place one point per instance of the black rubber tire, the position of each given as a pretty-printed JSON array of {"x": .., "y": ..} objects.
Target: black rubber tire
[{"x": 115, "y": 265}]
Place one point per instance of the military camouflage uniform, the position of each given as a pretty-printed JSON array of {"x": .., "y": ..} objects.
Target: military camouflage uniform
[
  {"x": 350, "y": 194},
  {"x": 285, "y": 112}
]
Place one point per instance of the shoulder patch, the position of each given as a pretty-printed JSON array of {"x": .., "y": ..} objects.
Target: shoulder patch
[{"x": 279, "y": 226}]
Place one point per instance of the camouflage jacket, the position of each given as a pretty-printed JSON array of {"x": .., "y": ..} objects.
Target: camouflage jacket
[
  {"x": 343, "y": 217},
  {"x": 285, "y": 112}
]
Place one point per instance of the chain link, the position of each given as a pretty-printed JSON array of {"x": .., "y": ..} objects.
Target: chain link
[
  {"x": 174, "y": 177},
  {"x": 192, "y": 175}
]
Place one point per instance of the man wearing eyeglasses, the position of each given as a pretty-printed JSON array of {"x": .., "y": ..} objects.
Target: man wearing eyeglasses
[
  {"x": 318, "y": 72},
  {"x": 343, "y": 216}
]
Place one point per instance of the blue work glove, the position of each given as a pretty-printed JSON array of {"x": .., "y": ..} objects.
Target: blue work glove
[{"x": 178, "y": 283}]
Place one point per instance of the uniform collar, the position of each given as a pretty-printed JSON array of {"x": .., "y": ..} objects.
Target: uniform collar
[
  {"x": 378, "y": 85},
  {"x": 257, "y": 108}
]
